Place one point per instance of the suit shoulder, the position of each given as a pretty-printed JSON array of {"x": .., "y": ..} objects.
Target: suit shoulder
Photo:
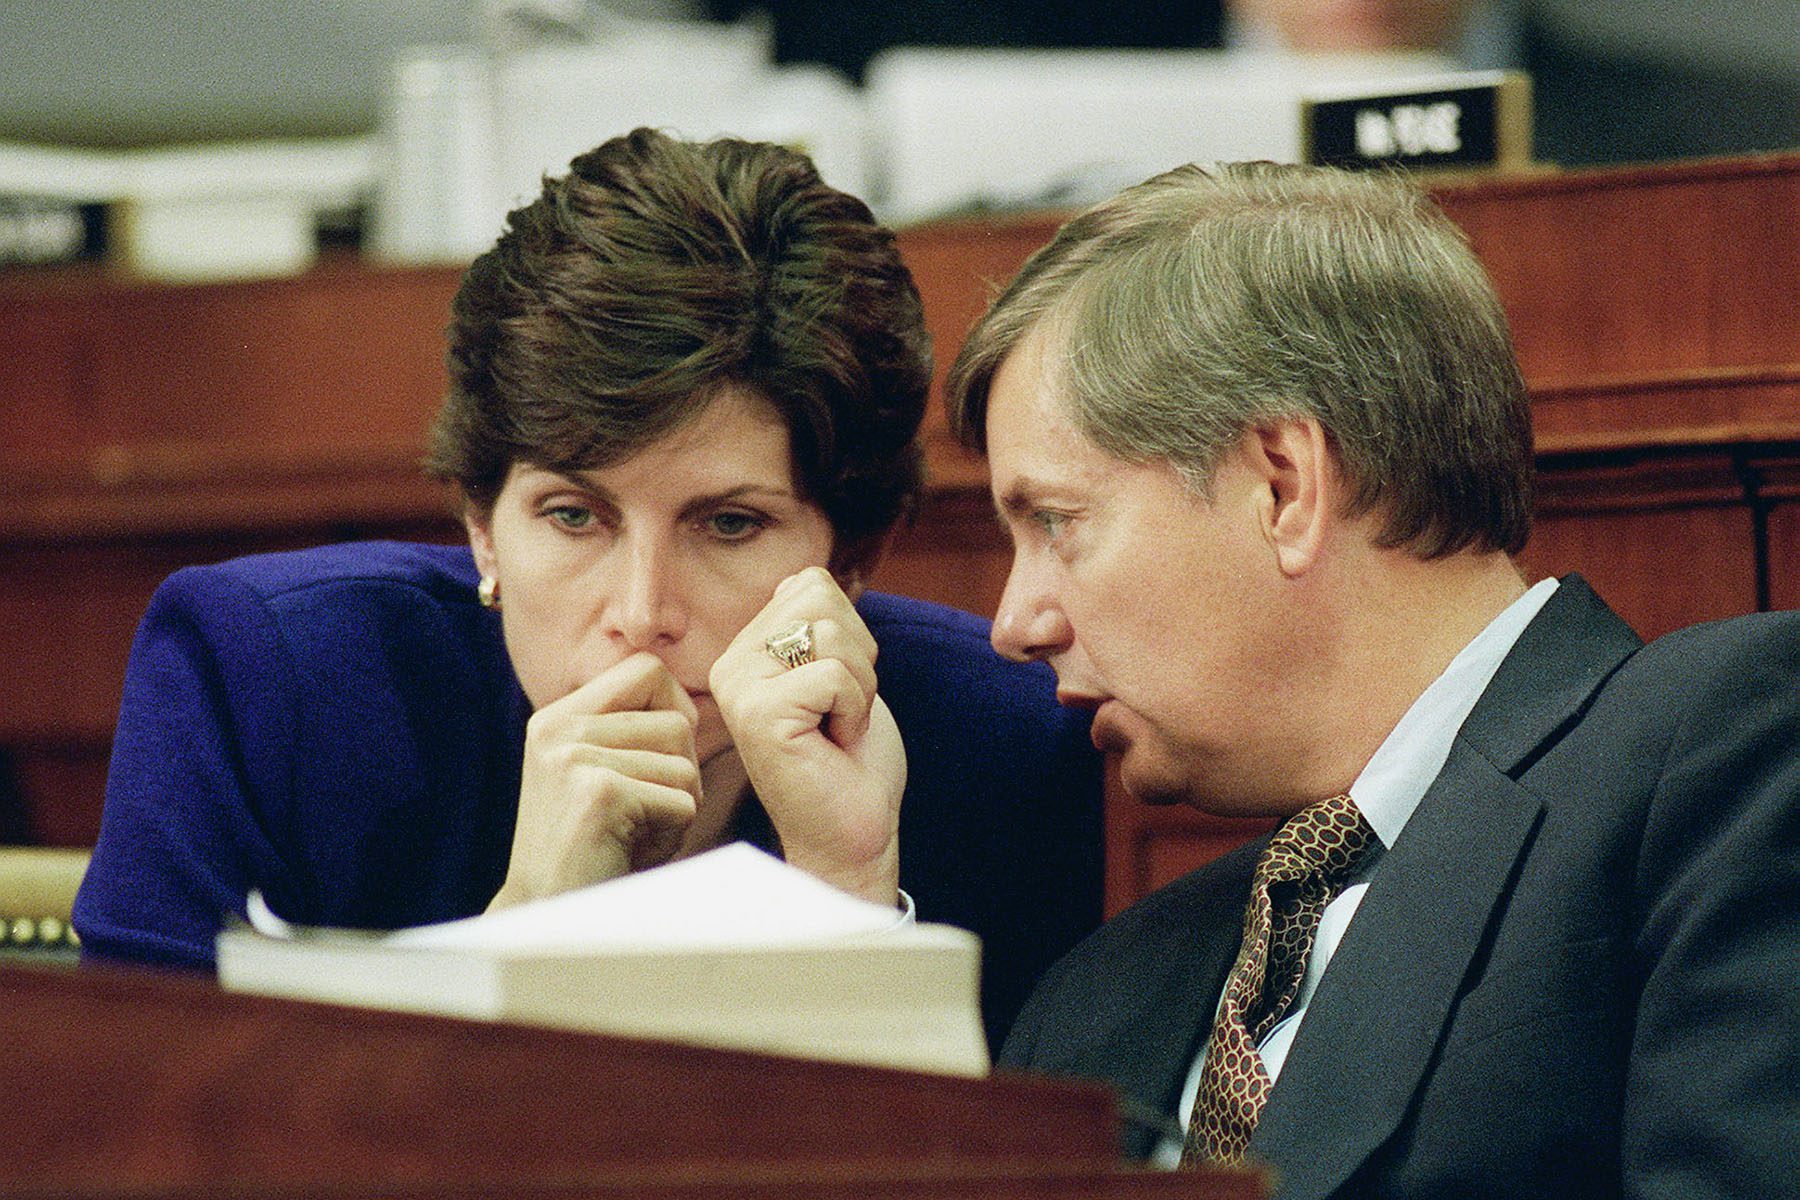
[
  {"x": 1754, "y": 635},
  {"x": 394, "y": 608},
  {"x": 1748, "y": 657},
  {"x": 441, "y": 574}
]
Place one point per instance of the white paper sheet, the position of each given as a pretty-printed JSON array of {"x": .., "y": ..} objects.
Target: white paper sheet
[{"x": 733, "y": 896}]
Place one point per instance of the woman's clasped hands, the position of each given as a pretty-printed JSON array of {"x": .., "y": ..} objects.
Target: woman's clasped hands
[{"x": 611, "y": 782}]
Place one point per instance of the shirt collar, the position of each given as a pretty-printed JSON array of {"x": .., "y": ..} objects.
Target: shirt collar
[{"x": 1402, "y": 768}]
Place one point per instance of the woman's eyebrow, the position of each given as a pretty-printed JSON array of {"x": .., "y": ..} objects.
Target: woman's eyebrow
[
  {"x": 602, "y": 492},
  {"x": 743, "y": 492}
]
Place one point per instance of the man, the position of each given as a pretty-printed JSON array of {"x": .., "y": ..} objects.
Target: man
[{"x": 1531, "y": 924}]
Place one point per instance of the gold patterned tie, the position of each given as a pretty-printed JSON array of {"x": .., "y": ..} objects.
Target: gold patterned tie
[{"x": 1304, "y": 865}]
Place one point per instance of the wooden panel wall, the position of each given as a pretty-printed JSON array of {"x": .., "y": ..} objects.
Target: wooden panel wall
[
  {"x": 1780, "y": 493},
  {"x": 144, "y": 427}
]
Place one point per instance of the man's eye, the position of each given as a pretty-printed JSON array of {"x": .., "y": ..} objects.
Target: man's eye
[
  {"x": 1050, "y": 522},
  {"x": 734, "y": 526},
  {"x": 571, "y": 516}
]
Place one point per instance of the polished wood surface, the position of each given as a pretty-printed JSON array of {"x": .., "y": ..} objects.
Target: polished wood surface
[
  {"x": 138, "y": 410},
  {"x": 300, "y": 1091},
  {"x": 1778, "y": 497},
  {"x": 144, "y": 427},
  {"x": 1641, "y": 284},
  {"x": 144, "y": 1083},
  {"x": 1001, "y": 1181}
]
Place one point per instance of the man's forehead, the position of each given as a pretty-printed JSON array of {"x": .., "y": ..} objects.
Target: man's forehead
[
  {"x": 1033, "y": 444},
  {"x": 1020, "y": 407},
  {"x": 1024, "y": 396}
]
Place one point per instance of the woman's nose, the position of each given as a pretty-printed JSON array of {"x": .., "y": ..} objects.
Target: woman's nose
[
  {"x": 649, "y": 607},
  {"x": 1029, "y": 623}
]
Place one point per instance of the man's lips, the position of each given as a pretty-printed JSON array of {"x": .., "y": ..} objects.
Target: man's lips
[
  {"x": 1103, "y": 732},
  {"x": 1106, "y": 733}
]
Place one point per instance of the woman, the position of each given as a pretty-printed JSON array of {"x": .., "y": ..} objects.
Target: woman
[{"x": 685, "y": 389}]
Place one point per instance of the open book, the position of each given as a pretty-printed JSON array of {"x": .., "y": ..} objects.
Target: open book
[{"x": 729, "y": 948}]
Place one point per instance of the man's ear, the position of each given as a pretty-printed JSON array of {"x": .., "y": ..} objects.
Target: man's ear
[
  {"x": 1294, "y": 462},
  {"x": 479, "y": 524}
]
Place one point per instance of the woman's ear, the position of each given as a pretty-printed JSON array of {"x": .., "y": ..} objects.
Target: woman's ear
[
  {"x": 1294, "y": 462},
  {"x": 478, "y": 522},
  {"x": 855, "y": 564}
]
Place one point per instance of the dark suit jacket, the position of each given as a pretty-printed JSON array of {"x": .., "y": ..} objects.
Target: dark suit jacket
[{"x": 1576, "y": 972}]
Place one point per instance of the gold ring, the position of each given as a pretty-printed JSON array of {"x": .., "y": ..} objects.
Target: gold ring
[{"x": 792, "y": 646}]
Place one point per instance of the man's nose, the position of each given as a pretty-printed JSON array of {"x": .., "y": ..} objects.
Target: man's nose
[
  {"x": 1030, "y": 624},
  {"x": 649, "y": 607}
]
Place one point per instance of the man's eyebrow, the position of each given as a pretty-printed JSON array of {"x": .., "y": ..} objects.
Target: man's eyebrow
[
  {"x": 1016, "y": 503},
  {"x": 1018, "y": 499}
]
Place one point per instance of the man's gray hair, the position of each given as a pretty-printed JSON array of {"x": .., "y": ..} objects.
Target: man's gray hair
[{"x": 1212, "y": 300}]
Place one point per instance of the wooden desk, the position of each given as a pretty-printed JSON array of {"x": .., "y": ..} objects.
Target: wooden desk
[
  {"x": 143, "y": 427},
  {"x": 142, "y": 1084}
]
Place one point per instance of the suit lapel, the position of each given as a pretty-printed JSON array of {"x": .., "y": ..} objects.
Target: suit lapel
[
  {"x": 1544, "y": 685},
  {"x": 1376, "y": 1020},
  {"x": 1149, "y": 1052},
  {"x": 1373, "y": 1025}
]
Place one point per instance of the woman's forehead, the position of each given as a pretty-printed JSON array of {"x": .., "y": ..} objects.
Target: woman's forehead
[
  {"x": 735, "y": 414},
  {"x": 737, "y": 442}
]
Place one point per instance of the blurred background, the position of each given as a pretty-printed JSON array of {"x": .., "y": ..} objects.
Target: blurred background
[
  {"x": 132, "y": 72},
  {"x": 444, "y": 114}
]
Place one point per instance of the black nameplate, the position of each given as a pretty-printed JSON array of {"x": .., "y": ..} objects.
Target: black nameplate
[
  {"x": 39, "y": 229},
  {"x": 1475, "y": 125}
]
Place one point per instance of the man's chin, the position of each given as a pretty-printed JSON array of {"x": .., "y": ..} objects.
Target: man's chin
[{"x": 1151, "y": 782}]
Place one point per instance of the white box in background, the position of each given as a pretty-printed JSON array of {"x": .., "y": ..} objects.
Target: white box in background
[
  {"x": 692, "y": 79},
  {"x": 959, "y": 128},
  {"x": 205, "y": 212},
  {"x": 553, "y": 105},
  {"x": 470, "y": 136}
]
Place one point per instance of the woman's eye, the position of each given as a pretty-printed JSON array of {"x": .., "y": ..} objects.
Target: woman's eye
[
  {"x": 571, "y": 516},
  {"x": 734, "y": 526},
  {"x": 1050, "y": 522}
]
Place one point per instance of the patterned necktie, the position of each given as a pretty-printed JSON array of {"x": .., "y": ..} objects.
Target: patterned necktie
[{"x": 1305, "y": 864}]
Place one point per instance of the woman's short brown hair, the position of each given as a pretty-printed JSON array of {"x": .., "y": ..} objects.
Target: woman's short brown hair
[{"x": 658, "y": 273}]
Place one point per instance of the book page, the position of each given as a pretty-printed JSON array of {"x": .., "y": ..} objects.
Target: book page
[{"x": 733, "y": 896}]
